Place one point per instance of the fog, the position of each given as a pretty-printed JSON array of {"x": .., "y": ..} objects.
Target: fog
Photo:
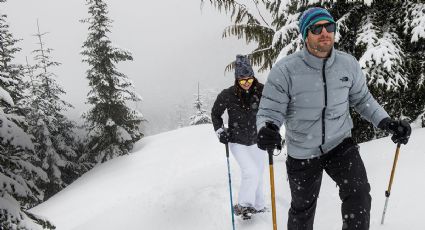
[{"x": 175, "y": 45}]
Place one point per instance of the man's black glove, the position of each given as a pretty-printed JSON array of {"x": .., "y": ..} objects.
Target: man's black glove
[
  {"x": 401, "y": 129},
  {"x": 269, "y": 137},
  {"x": 223, "y": 136}
]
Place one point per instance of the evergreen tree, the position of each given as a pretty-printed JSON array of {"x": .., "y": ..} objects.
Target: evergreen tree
[
  {"x": 385, "y": 36},
  {"x": 113, "y": 126},
  {"x": 54, "y": 138},
  {"x": 382, "y": 59},
  {"x": 201, "y": 116},
  {"x": 11, "y": 74},
  {"x": 412, "y": 33},
  {"x": 180, "y": 110},
  {"x": 19, "y": 174}
]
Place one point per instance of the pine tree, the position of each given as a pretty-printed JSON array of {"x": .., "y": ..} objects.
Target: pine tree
[
  {"x": 19, "y": 174},
  {"x": 382, "y": 58},
  {"x": 201, "y": 116},
  {"x": 180, "y": 110},
  {"x": 413, "y": 36},
  {"x": 53, "y": 132},
  {"x": 113, "y": 126},
  {"x": 385, "y": 36},
  {"x": 11, "y": 75}
]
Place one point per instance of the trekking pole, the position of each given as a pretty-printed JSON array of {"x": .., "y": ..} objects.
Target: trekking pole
[
  {"x": 388, "y": 192},
  {"x": 230, "y": 186},
  {"x": 270, "y": 153}
]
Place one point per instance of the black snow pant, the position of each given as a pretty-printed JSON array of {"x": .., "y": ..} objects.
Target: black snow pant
[{"x": 345, "y": 166}]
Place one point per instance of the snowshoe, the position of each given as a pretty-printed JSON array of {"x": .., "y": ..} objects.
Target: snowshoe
[
  {"x": 237, "y": 209},
  {"x": 246, "y": 215},
  {"x": 244, "y": 212},
  {"x": 261, "y": 210}
]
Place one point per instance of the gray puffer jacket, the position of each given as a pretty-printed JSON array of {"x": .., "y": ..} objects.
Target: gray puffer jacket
[{"x": 311, "y": 97}]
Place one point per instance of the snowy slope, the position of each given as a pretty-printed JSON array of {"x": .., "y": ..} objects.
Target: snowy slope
[{"x": 178, "y": 181}]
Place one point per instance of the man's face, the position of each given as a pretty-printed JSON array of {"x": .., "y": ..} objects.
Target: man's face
[{"x": 323, "y": 41}]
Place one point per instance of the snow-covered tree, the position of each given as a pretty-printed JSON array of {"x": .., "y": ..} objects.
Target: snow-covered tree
[
  {"x": 19, "y": 174},
  {"x": 180, "y": 110},
  {"x": 201, "y": 116},
  {"x": 413, "y": 35},
  {"x": 113, "y": 126},
  {"x": 387, "y": 37},
  {"x": 10, "y": 74},
  {"x": 53, "y": 134}
]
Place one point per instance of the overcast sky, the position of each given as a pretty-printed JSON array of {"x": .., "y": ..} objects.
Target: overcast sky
[{"x": 174, "y": 44}]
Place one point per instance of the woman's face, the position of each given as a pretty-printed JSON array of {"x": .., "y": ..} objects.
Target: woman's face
[{"x": 246, "y": 82}]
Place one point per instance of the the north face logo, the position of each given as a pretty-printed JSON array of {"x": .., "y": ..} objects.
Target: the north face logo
[{"x": 344, "y": 79}]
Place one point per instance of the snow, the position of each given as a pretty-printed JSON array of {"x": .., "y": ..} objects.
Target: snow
[
  {"x": 12, "y": 133},
  {"x": 5, "y": 96},
  {"x": 178, "y": 180},
  {"x": 384, "y": 53},
  {"x": 284, "y": 33},
  {"x": 342, "y": 25},
  {"x": 9, "y": 203},
  {"x": 312, "y": 2},
  {"x": 123, "y": 135},
  {"x": 110, "y": 122},
  {"x": 418, "y": 23}
]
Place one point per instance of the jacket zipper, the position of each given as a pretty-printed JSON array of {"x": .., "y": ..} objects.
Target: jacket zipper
[{"x": 326, "y": 101}]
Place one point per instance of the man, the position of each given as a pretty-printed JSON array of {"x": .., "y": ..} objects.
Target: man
[
  {"x": 310, "y": 93},
  {"x": 241, "y": 101}
]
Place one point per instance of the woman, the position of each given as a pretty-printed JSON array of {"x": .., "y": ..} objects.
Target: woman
[{"x": 241, "y": 101}]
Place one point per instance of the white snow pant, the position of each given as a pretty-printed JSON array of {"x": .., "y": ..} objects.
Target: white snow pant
[{"x": 251, "y": 161}]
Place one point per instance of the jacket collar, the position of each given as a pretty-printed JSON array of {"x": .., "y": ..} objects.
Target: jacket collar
[{"x": 315, "y": 62}]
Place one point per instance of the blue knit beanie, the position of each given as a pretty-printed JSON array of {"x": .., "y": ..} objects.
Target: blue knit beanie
[
  {"x": 243, "y": 67},
  {"x": 311, "y": 16}
]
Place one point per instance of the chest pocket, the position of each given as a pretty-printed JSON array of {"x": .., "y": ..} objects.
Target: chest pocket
[
  {"x": 339, "y": 84},
  {"x": 306, "y": 98}
]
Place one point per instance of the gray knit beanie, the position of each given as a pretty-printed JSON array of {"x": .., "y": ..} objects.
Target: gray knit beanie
[{"x": 242, "y": 67}]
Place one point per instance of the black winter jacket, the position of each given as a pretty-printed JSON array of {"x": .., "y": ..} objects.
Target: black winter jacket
[{"x": 242, "y": 109}]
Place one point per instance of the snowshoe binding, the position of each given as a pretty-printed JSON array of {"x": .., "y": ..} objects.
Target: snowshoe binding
[{"x": 245, "y": 212}]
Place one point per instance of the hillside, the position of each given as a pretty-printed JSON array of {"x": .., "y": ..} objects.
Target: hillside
[{"x": 177, "y": 180}]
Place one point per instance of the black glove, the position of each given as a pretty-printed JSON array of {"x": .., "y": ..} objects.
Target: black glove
[
  {"x": 269, "y": 137},
  {"x": 224, "y": 136},
  {"x": 401, "y": 129}
]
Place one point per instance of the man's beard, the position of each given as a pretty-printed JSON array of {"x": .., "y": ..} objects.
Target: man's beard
[{"x": 322, "y": 48}]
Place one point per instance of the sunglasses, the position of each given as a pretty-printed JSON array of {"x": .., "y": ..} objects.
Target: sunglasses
[
  {"x": 243, "y": 81},
  {"x": 317, "y": 29}
]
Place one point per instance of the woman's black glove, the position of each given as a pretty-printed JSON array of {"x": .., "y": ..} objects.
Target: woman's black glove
[
  {"x": 269, "y": 137},
  {"x": 223, "y": 135},
  {"x": 400, "y": 129}
]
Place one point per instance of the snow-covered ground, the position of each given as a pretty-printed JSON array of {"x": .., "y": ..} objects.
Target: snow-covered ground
[{"x": 178, "y": 181}]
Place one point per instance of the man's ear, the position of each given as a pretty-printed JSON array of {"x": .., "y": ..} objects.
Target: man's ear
[{"x": 306, "y": 42}]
